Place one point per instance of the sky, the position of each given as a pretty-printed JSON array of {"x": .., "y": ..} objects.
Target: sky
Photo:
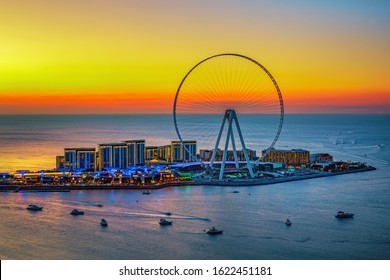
[{"x": 124, "y": 56}]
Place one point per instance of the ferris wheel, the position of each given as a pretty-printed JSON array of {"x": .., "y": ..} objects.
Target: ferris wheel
[{"x": 218, "y": 91}]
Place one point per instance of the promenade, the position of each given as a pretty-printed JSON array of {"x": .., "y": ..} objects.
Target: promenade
[{"x": 211, "y": 182}]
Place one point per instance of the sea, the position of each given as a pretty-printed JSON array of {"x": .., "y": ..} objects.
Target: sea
[{"x": 252, "y": 217}]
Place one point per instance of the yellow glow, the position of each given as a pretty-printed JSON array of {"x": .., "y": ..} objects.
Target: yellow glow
[{"x": 133, "y": 50}]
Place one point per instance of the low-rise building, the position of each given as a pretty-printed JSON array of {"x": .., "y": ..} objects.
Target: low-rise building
[
  {"x": 320, "y": 157},
  {"x": 291, "y": 157},
  {"x": 206, "y": 155}
]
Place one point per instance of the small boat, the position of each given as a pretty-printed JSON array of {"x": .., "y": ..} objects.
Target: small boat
[
  {"x": 34, "y": 207},
  {"x": 167, "y": 213},
  {"x": 214, "y": 230},
  {"x": 342, "y": 214},
  {"x": 103, "y": 223},
  {"x": 164, "y": 222},
  {"x": 146, "y": 192},
  {"x": 288, "y": 222},
  {"x": 77, "y": 212}
]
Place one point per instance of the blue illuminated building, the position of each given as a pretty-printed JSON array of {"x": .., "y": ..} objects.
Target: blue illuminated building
[
  {"x": 83, "y": 158},
  {"x": 135, "y": 152}
]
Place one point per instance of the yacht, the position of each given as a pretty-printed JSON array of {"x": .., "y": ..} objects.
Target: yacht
[
  {"x": 164, "y": 222},
  {"x": 34, "y": 207},
  {"x": 342, "y": 214},
  {"x": 214, "y": 230},
  {"x": 77, "y": 212}
]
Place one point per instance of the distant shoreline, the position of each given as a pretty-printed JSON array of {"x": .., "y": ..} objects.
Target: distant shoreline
[{"x": 232, "y": 182}]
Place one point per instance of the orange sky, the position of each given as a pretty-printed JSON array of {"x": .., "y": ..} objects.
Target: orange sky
[{"x": 130, "y": 56}]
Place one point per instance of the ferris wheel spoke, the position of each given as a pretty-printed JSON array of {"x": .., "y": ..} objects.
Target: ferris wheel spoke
[{"x": 229, "y": 86}]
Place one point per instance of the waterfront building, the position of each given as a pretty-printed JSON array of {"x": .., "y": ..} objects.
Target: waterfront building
[
  {"x": 320, "y": 157},
  {"x": 83, "y": 158},
  {"x": 290, "y": 157},
  {"x": 105, "y": 156},
  {"x": 151, "y": 152},
  {"x": 180, "y": 152},
  {"x": 135, "y": 152},
  {"x": 206, "y": 155},
  {"x": 112, "y": 155},
  {"x": 119, "y": 156},
  {"x": 164, "y": 153},
  {"x": 60, "y": 162}
]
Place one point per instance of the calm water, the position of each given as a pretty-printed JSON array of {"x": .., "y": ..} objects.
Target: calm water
[{"x": 252, "y": 219}]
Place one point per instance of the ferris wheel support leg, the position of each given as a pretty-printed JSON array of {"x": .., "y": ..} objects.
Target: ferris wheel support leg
[
  {"x": 243, "y": 145},
  {"x": 225, "y": 151},
  {"x": 218, "y": 139},
  {"x": 234, "y": 150}
]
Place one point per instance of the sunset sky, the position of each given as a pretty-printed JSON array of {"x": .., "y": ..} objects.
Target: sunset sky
[{"x": 123, "y": 56}]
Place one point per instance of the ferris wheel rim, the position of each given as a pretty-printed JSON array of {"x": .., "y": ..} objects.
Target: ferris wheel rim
[{"x": 281, "y": 104}]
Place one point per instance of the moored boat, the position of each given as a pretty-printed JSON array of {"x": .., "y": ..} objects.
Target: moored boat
[
  {"x": 342, "y": 214},
  {"x": 77, "y": 212},
  {"x": 146, "y": 192},
  {"x": 34, "y": 207}
]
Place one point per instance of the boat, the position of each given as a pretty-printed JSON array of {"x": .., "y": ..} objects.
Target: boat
[
  {"x": 146, "y": 192},
  {"x": 167, "y": 213},
  {"x": 342, "y": 214},
  {"x": 214, "y": 230},
  {"x": 164, "y": 222},
  {"x": 77, "y": 212},
  {"x": 103, "y": 223},
  {"x": 34, "y": 207},
  {"x": 288, "y": 222}
]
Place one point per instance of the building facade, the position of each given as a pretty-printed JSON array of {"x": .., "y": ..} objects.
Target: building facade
[
  {"x": 164, "y": 153},
  {"x": 206, "y": 155},
  {"x": 180, "y": 152},
  {"x": 151, "y": 152},
  {"x": 290, "y": 157},
  {"x": 320, "y": 157},
  {"x": 60, "y": 162},
  {"x": 80, "y": 158},
  {"x": 135, "y": 152},
  {"x": 112, "y": 155}
]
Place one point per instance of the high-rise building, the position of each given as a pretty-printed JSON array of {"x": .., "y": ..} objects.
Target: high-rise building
[
  {"x": 135, "y": 152},
  {"x": 119, "y": 156},
  {"x": 186, "y": 152},
  {"x": 112, "y": 155},
  {"x": 60, "y": 162},
  {"x": 83, "y": 158},
  {"x": 293, "y": 157}
]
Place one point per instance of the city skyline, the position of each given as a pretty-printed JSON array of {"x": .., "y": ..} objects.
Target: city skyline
[{"x": 129, "y": 57}]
